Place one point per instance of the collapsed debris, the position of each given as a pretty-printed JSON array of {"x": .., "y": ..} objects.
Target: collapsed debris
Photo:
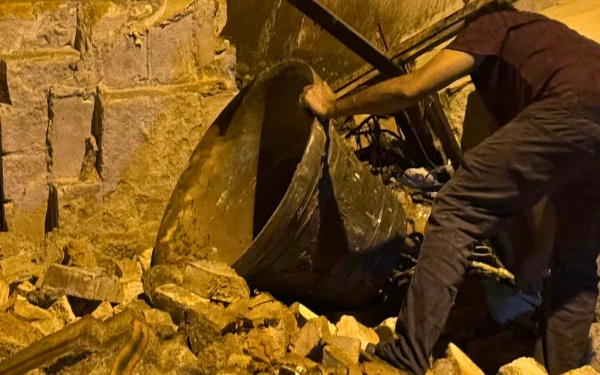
[{"x": 192, "y": 327}]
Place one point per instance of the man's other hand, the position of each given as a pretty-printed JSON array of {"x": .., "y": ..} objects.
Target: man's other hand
[{"x": 319, "y": 99}]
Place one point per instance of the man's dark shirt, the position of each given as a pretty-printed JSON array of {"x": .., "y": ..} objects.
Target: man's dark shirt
[{"x": 530, "y": 60}]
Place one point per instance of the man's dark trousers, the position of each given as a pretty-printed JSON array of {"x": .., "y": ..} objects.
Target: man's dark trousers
[{"x": 553, "y": 152}]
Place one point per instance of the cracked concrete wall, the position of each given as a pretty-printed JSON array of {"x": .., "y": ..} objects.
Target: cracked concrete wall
[{"x": 109, "y": 98}]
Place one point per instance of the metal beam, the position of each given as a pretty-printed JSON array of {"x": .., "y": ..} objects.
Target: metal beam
[{"x": 415, "y": 130}]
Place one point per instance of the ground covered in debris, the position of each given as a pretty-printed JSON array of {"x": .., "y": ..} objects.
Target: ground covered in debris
[{"x": 201, "y": 319}]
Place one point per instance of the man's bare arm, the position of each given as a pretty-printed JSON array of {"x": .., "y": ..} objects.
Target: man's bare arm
[{"x": 394, "y": 94}]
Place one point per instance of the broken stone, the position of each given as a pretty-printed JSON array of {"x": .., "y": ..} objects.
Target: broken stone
[
  {"x": 302, "y": 313},
  {"x": 298, "y": 363},
  {"x": 25, "y": 288},
  {"x": 49, "y": 326},
  {"x": 138, "y": 306},
  {"x": 594, "y": 346},
  {"x": 158, "y": 276},
  {"x": 44, "y": 298},
  {"x": 586, "y": 370},
  {"x": 4, "y": 293},
  {"x": 161, "y": 322},
  {"x": 80, "y": 254},
  {"x": 128, "y": 270},
  {"x": 28, "y": 312},
  {"x": 62, "y": 308},
  {"x": 174, "y": 354},
  {"x": 215, "y": 281},
  {"x": 386, "y": 329},
  {"x": 132, "y": 291},
  {"x": 334, "y": 356},
  {"x": 522, "y": 366},
  {"x": 83, "y": 284},
  {"x": 462, "y": 362},
  {"x": 145, "y": 259},
  {"x": 307, "y": 343},
  {"x": 175, "y": 300},
  {"x": 349, "y": 326},
  {"x": 206, "y": 322},
  {"x": 265, "y": 310},
  {"x": 217, "y": 355},
  {"x": 380, "y": 368},
  {"x": 103, "y": 312},
  {"x": 18, "y": 268},
  {"x": 348, "y": 345},
  {"x": 16, "y": 335},
  {"x": 265, "y": 344}
]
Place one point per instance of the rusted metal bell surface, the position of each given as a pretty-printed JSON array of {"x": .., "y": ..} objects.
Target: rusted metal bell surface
[{"x": 277, "y": 195}]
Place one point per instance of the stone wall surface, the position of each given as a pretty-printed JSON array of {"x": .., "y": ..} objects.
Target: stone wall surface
[{"x": 109, "y": 98}]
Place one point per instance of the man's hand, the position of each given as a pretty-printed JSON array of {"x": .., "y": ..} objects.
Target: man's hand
[{"x": 319, "y": 99}]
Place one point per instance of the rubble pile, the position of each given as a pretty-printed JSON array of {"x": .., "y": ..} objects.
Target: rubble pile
[{"x": 198, "y": 319}]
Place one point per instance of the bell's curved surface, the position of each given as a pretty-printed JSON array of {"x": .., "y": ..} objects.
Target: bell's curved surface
[{"x": 276, "y": 194}]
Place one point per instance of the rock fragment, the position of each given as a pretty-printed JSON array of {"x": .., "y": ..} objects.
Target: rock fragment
[
  {"x": 265, "y": 344},
  {"x": 28, "y": 312},
  {"x": 103, "y": 311},
  {"x": 220, "y": 354},
  {"x": 83, "y": 284},
  {"x": 206, "y": 322},
  {"x": 175, "y": 300},
  {"x": 334, "y": 356},
  {"x": 522, "y": 366},
  {"x": 308, "y": 341},
  {"x": 18, "y": 268},
  {"x": 49, "y": 326},
  {"x": 4, "y": 293},
  {"x": 348, "y": 345},
  {"x": 145, "y": 259},
  {"x": 303, "y": 314},
  {"x": 62, "y": 308},
  {"x": 161, "y": 322},
  {"x": 157, "y": 276},
  {"x": 386, "y": 329},
  {"x": 462, "y": 362},
  {"x": 349, "y": 326},
  {"x": 16, "y": 335},
  {"x": 215, "y": 281},
  {"x": 381, "y": 368},
  {"x": 586, "y": 370}
]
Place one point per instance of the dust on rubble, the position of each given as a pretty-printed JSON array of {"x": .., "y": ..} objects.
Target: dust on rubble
[{"x": 198, "y": 319}]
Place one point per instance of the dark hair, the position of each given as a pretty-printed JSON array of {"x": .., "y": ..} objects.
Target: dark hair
[{"x": 492, "y": 7}]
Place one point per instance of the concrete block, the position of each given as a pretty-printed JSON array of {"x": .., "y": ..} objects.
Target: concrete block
[
  {"x": 22, "y": 171},
  {"x": 24, "y": 127},
  {"x": 215, "y": 281},
  {"x": 173, "y": 52},
  {"x": 349, "y": 346},
  {"x": 125, "y": 123},
  {"x": 83, "y": 284},
  {"x": 37, "y": 25},
  {"x": 125, "y": 62},
  {"x": 71, "y": 125}
]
